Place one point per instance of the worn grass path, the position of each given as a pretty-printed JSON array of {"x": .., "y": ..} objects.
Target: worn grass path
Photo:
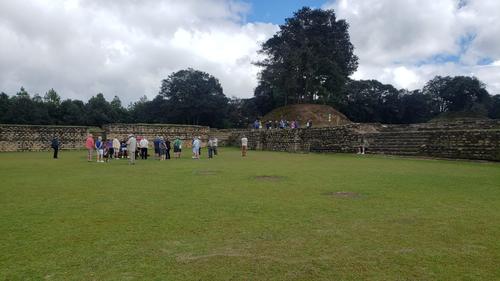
[{"x": 271, "y": 216}]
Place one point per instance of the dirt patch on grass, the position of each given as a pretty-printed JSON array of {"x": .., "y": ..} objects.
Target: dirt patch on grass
[
  {"x": 206, "y": 172},
  {"x": 269, "y": 178},
  {"x": 342, "y": 194}
]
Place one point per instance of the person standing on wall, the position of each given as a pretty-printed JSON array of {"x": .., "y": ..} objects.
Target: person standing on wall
[
  {"x": 168, "y": 146},
  {"x": 244, "y": 146},
  {"x": 143, "y": 144},
  {"x": 131, "y": 147},
  {"x": 89, "y": 144},
  {"x": 55, "y": 146},
  {"x": 99, "y": 146},
  {"x": 177, "y": 148}
]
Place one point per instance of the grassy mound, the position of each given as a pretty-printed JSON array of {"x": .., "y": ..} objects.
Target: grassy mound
[
  {"x": 321, "y": 115},
  {"x": 271, "y": 216}
]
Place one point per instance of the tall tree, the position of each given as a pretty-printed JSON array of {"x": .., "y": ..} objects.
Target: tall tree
[
  {"x": 73, "y": 112},
  {"x": 309, "y": 59},
  {"x": 194, "y": 97},
  {"x": 416, "y": 107},
  {"x": 4, "y": 106},
  {"x": 98, "y": 111},
  {"x": 21, "y": 109},
  {"x": 52, "y": 102},
  {"x": 495, "y": 107},
  {"x": 459, "y": 93},
  {"x": 372, "y": 101}
]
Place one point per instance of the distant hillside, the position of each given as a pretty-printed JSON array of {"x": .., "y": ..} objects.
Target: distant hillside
[{"x": 321, "y": 115}]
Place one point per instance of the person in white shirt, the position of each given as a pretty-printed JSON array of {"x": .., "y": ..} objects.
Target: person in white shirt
[
  {"x": 244, "y": 146},
  {"x": 143, "y": 145},
  {"x": 131, "y": 147},
  {"x": 196, "y": 148},
  {"x": 116, "y": 147},
  {"x": 215, "y": 143}
]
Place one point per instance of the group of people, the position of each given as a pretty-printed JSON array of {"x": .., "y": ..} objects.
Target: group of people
[
  {"x": 134, "y": 147},
  {"x": 282, "y": 124}
]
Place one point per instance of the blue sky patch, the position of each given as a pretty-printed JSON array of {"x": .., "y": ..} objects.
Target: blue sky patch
[{"x": 276, "y": 11}]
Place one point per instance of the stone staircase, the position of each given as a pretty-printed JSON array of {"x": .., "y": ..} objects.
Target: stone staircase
[{"x": 408, "y": 143}]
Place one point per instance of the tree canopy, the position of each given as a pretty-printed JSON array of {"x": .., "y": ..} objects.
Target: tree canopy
[{"x": 308, "y": 60}]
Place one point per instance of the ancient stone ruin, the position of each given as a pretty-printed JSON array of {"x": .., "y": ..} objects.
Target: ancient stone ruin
[{"x": 460, "y": 139}]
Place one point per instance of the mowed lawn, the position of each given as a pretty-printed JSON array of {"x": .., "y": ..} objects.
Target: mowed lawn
[{"x": 270, "y": 216}]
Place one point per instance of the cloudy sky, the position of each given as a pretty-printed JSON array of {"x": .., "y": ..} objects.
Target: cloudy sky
[{"x": 125, "y": 47}]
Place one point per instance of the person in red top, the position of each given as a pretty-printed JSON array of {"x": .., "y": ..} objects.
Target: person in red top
[{"x": 89, "y": 144}]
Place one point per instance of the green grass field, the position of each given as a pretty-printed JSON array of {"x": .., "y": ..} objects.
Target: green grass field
[{"x": 271, "y": 216}]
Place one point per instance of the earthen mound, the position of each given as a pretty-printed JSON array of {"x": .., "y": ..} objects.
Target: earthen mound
[{"x": 320, "y": 115}]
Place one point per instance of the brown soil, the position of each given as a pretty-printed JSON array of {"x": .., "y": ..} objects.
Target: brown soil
[
  {"x": 206, "y": 172},
  {"x": 268, "y": 178},
  {"x": 319, "y": 114},
  {"x": 342, "y": 194}
]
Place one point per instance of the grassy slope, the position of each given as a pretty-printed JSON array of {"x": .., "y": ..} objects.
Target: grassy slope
[
  {"x": 212, "y": 220},
  {"x": 316, "y": 112}
]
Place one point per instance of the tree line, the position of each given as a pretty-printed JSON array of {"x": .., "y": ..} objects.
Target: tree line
[{"x": 309, "y": 60}]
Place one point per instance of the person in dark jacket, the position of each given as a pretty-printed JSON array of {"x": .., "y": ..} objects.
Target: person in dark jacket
[
  {"x": 167, "y": 152},
  {"x": 55, "y": 146}
]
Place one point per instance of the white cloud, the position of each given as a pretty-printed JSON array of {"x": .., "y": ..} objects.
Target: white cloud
[
  {"x": 397, "y": 41},
  {"x": 82, "y": 47},
  {"x": 125, "y": 47}
]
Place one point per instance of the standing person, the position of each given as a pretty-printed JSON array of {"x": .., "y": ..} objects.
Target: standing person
[
  {"x": 143, "y": 144},
  {"x": 199, "y": 149},
  {"x": 215, "y": 144},
  {"x": 210, "y": 148},
  {"x": 169, "y": 147},
  {"x": 111, "y": 149},
  {"x": 55, "y": 146},
  {"x": 163, "y": 149},
  {"x": 177, "y": 148},
  {"x": 131, "y": 147},
  {"x": 116, "y": 147},
  {"x": 123, "y": 148},
  {"x": 99, "y": 146},
  {"x": 244, "y": 146},
  {"x": 196, "y": 148},
  {"x": 256, "y": 124},
  {"x": 156, "y": 144},
  {"x": 89, "y": 144},
  {"x": 282, "y": 124}
]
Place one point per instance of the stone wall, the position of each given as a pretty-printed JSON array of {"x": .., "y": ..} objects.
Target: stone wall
[
  {"x": 150, "y": 131},
  {"x": 466, "y": 139},
  {"x": 38, "y": 138}
]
